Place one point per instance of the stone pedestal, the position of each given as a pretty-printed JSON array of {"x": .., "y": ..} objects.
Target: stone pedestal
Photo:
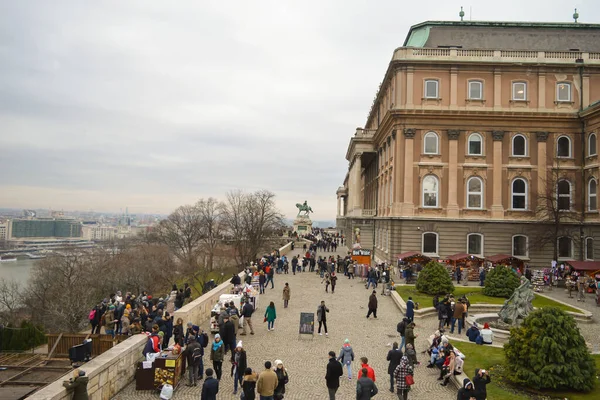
[{"x": 302, "y": 225}]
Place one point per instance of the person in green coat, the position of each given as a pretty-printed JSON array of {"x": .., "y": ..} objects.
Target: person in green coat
[
  {"x": 217, "y": 352},
  {"x": 270, "y": 316},
  {"x": 409, "y": 334},
  {"x": 78, "y": 385}
]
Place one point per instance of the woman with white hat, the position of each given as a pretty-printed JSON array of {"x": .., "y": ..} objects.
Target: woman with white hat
[
  {"x": 282, "y": 380},
  {"x": 238, "y": 366}
]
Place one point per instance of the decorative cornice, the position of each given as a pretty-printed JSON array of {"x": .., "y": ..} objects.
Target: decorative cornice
[
  {"x": 541, "y": 136},
  {"x": 410, "y": 133},
  {"x": 453, "y": 134},
  {"x": 498, "y": 136}
]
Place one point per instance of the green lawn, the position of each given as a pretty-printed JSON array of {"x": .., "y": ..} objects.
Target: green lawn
[
  {"x": 475, "y": 296},
  {"x": 492, "y": 359}
]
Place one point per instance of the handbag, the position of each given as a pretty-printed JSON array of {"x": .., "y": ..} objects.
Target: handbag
[
  {"x": 410, "y": 380},
  {"x": 265, "y": 320}
]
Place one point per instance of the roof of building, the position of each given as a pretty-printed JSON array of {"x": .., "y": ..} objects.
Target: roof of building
[
  {"x": 539, "y": 36},
  {"x": 585, "y": 265}
]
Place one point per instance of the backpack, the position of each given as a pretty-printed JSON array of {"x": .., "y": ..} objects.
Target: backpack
[
  {"x": 197, "y": 356},
  {"x": 203, "y": 339},
  {"x": 92, "y": 315},
  {"x": 401, "y": 328},
  {"x": 479, "y": 340}
]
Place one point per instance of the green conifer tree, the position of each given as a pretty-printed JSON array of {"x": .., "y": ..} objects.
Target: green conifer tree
[
  {"x": 434, "y": 279},
  {"x": 501, "y": 282}
]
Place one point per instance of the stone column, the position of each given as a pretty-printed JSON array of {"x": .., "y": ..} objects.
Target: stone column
[
  {"x": 497, "y": 208},
  {"x": 542, "y": 168},
  {"x": 452, "y": 209},
  {"x": 408, "y": 206},
  {"x": 355, "y": 180},
  {"x": 338, "y": 206}
]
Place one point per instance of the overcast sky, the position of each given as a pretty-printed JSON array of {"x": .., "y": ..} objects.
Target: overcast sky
[{"x": 154, "y": 104}]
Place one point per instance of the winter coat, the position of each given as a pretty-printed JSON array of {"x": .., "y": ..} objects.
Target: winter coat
[
  {"x": 178, "y": 333},
  {"x": 152, "y": 345},
  {"x": 459, "y": 310},
  {"x": 372, "y": 302},
  {"x": 467, "y": 391},
  {"x": 247, "y": 310},
  {"x": 442, "y": 311},
  {"x": 109, "y": 320},
  {"x": 472, "y": 333},
  {"x": 242, "y": 363},
  {"x": 410, "y": 309},
  {"x": 480, "y": 385},
  {"x": 286, "y": 293},
  {"x": 370, "y": 372},
  {"x": 282, "y": 380},
  {"x": 249, "y": 386},
  {"x": 410, "y": 335},
  {"x": 346, "y": 354},
  {"x": 210, "y": 388},
  {"x": 267, "y": 382},
  {"x": 351, "y": 269},
  {"x": 171, "y": 302},
  {"x": 394, "y": 357},
  {"x": 270, "y": 314},
  {"x": 334, "y": 371},
  {"x": 189, "y": 352},
  {"x": 365, "y": 389},
  {"x": 322, "y": 313},
  {"x": 402, "y": 370},
  {"x": 217, "y": 355},
  {"x": 78, "y": 386}
]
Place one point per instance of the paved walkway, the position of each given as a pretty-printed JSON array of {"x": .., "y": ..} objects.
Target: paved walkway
[{"x": 306, "y": 357}]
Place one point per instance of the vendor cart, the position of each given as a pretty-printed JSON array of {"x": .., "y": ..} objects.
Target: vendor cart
[{"x": 165, "y": 369}]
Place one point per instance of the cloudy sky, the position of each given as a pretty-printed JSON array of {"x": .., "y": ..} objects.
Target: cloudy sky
[{"x": 153, "y": 104}]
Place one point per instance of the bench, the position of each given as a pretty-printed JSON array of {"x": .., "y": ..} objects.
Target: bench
[{"x": 457, "y": 380}]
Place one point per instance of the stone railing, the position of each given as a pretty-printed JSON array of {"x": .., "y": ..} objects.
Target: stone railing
[
  {"x": 508, "y": 56},
  {"x": 108, "y": 373}
]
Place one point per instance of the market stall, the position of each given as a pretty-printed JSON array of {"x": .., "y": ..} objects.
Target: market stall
[
  {"x": 410, "y": 263},
  {"x": 165, "y": 369},
  {"x": 216, "y": 310},
  {"x": 466, "y": 261},
  {"x": 586, "y": 269},
  {"x": 505, "y": 259}
]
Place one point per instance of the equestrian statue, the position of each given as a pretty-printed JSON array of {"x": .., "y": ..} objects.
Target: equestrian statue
[{"x": 303, "y": 208}]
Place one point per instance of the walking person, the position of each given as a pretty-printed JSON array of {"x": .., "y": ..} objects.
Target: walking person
[
  {"x": 249, "y": 384},
  {"x": 286, "y": 295},
  {"x": 346, "y": 357},
  {"x": 400, "y": 373},
  {"x": 410, "y": 334},
  {"x": 372, "y": 305},
  {"x": 247, "y": 311},
  {"x": 239, "y": 364},
  {"x": 394, "y": 356},
  {"x": 217, "y": 353},
  {"x": 270, "y": 316},
  {"x": 267, "y": 382},
  {"x": 333, "y": 282},
  {"x": 410, "y": 309},
  {"x": 261, "y": 282},
  {"x": 193, "y": 354},
  {"x": 327, "y": 282},
  {"x": 351, "y": 268},
  {"x": 210, "y": 388},
  {"x": 365, "y": 386},
  {"x": 270, "y": 276},
  {"x": 282, "y": 380},
  {"x": 401, "y": 328},
  {"x": 322, "y": 311},
  {"x": 333, "y": 374}
]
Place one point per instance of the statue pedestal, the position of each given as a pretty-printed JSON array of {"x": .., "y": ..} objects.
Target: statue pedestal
[{"x": 302, "y": 225}]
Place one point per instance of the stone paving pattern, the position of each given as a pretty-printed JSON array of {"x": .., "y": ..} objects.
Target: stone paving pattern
[{"x": 305, "y": 357}]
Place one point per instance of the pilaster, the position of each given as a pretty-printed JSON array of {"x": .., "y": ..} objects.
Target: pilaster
[
  {"x": 452, "y": 208},
  {"x": 408, "y": 208},
  {"x": 542, "y": 167},
  {"x": 497, "y": 208},
  {"x": 542, "y": 89},
  {"x": 497, "y": 88},
  {"x": 409, "y": 87},
  {"x": 453, "y": 86}
]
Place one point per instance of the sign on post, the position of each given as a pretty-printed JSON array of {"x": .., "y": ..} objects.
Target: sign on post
[
  {"x": 362, "y": 256},
  {"x": 307, "y": 323}
]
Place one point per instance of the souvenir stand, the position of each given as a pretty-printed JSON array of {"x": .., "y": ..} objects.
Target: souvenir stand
[
  {"x": 463, "y": 260},
  {"x": 216, "y": 310},
  {"x": 166, "y": 368},
  {"x": 588, "y": 269},
  {"x": 538, "y": 280},
  {"x": 505, "y": 259},
  {"x": 362, "y": 257},
  {"x": 411, "y": 262}
]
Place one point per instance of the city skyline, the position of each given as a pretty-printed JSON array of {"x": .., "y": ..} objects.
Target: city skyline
[{"x": 108, "y": 104}]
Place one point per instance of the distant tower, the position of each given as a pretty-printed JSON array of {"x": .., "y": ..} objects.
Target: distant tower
[
  {"x": 461, "y": 14},
  {"x": 575, "y": 15}
]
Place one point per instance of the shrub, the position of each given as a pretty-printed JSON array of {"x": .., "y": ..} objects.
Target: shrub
[
  {"x": 434, "y": 279},
  {"x": 548, "y": 352},
  {"x": 501, "y": 282}
]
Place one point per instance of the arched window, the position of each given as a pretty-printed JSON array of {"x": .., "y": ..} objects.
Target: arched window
[
  {"x": 475, "y": 192},
  {"x": 592, "y": 195},
  {"x": 519, "y": 146},
  {"x": 475, "y": 244},
  {"x": 430, "y": 191},
  {"x": 563, "y": 189},
  {"x": 565, "y": 247},
  {"x": 563, "y": 147},
  {"x": 589, "y": 248},
  {"x": 430, "y": 143},
  {"x": 430, "y": 243},
  {"x": 475, "y": 144},
  {"x": 519, "y": 194},
  {"x": 520, "y": 246},
  {"x": 592, "y": 151}
]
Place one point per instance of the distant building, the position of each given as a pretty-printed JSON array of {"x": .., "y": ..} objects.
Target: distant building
[
  {"x": 3, "y": 231},
  {"x": 98, "y": 232},
  {"x": 469, "y": 124},
  {"x": 44, "y": 228}
]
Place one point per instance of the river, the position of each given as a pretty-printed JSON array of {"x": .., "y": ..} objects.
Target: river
[{"x": 18, "y": 271}]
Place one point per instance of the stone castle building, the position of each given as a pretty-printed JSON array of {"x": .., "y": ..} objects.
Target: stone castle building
[{"x": 482, "y": 139}]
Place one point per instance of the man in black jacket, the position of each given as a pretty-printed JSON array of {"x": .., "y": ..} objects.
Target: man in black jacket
[
  {"x": 193, "y": 353},
  {"x": 394, "y": 356},
  {"x": 247, "y": 311},
  {"x": 480, "y": 381},
  {"x": 334, "y": 371},
  {"x": 228, "y": 335},
  {"x": 210, "y": 388}
]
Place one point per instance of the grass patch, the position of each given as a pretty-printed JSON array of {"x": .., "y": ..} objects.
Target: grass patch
[
  {"x": 492, "y": 359},
  {"x": 475, "y": 296}
]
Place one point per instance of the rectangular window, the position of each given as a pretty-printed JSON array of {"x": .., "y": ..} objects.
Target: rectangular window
[
  {"x": 589, "y": 249},
  {"x": 475, "y": 90},
  {"x": 474, "y": 245},
  {"x": 430, "y": 243},
  {"x": 431, "y": 89},
  {"x": 563, "y": 92},
  {"x": 519, "y": 91},
  {"x": 520, "y": 246}
]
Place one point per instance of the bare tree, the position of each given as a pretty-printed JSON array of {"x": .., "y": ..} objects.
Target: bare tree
[
  {"x": 252, "y": 220},
  {"x": 182, "y": 233},
  {"x": 212, "y": 217},
  {"x": 10, "y": 301}
]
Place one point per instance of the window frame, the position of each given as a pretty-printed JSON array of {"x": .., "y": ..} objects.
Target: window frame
[
  {"x": 558, "y": 100},
  {"x": 525, "y": 149},
  {"x": 526, "y": 246},
  {"x": 559, "y": 196},
  {"x": 475, "y": 134},
  {"x": 594, "y": 195},
  {"x": 437, "y": 143},
  {"x": 480, "y": 235},
  {"x": 469, "y": 193},
  {"x": 570, "y": 256},
  {"x": 478, "y": 82},
  {"x": 437, "y": 192},
  {"x": 437, "y": 89},
  {"x": 437, "y": 243},
  {"x": 587, "y": 246},
  {"x": 570, "y": 146},
  {"x": 595, "y": 147},
  {"x": 512, "y": 194},
  {"x": 514, "y": 86}
]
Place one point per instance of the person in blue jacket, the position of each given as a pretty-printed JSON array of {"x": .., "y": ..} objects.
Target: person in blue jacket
[
  {"x": 473, "y": 332},
  {"x": 410, "y": 309}
]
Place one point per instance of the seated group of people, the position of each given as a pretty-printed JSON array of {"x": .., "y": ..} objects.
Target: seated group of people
[
  {"x": 480, "y": 336},
  {"x": 445, "y": 357}
]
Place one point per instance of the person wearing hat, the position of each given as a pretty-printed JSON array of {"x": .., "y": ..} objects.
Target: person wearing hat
[
  {"x": 372, "y": 305},
  {"x": 78, "y": 385},
  {"x": 346, "y": 357},
  {"x": 473, "y": 332},
  {"x": 282, "y": 379},
  {"x": 238, "y": 366},
  {"x": 217, "y": 353}
]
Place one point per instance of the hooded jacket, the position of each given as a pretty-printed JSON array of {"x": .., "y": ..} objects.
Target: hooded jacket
[
  {"x": 78, "y": 386},
  {"x": 249, "y": 386},
  {"x": 467, "y": 391},
  {"x": 346, "y": 354},
  {"x": 479, "y": 385},
  {"x": 365, "y": 388}
]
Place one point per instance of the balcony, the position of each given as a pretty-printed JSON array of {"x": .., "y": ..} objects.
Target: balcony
[{"x": 368, "y": 212}]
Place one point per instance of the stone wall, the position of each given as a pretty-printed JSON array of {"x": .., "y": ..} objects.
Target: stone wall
[{"x": 108, "y": 373}]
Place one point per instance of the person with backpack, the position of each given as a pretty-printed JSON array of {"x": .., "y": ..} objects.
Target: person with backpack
[
  {"x": 193, "y": 353},
  {"x": 346, "y": 357},
  {"x": 401, "y": 329}
]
